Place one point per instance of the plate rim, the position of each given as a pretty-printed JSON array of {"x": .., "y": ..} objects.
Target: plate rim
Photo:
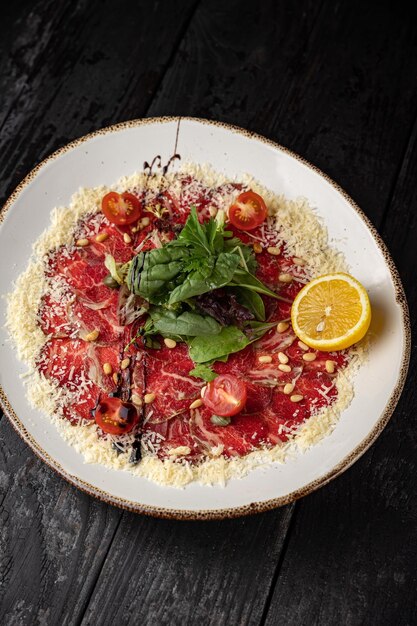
[{"x": 254, "y": 507}]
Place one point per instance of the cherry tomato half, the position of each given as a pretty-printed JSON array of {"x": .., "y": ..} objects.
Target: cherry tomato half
[
  {"x": 114, "y": 416},
  {"x": 225, "y": 395},
  {"x": 122, "y": 208},
  {"x": 248, "y": 211}
]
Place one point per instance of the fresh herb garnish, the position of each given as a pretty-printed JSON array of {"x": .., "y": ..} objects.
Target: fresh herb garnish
[
  {"x": 201, "y": 259},
  {"x": 187, "y": 324},
  {"x": 252, "y": 301},
  {"x": 118, "y": 271},
  {"x": 230, "y": 339},
  {"x": 204, "y": 371},
  {"x": 218, "y": 420},
  {"x": 202, "y": 291}
]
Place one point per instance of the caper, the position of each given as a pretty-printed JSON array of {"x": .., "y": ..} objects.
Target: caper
[
  {"x": 219, "y": 420},
  {"x": 110, "y": 282}
]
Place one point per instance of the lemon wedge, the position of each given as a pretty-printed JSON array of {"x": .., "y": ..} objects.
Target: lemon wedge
[{"x": 332, "y": 312}]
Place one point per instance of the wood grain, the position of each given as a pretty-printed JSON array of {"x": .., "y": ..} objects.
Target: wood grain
[
  {"x": 104, "y": 67},
  {"x": 27, "y": 33},
  {"x": 333, "y": 81},
  {"x": 53, "y": 539},
  {"x": 332, "y": 84},
  {"x": 188, "y": 572}
]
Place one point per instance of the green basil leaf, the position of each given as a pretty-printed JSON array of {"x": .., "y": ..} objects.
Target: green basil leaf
[
  {"x": 203, "y": 371},
  {"x": 224, "y": 270},
  {"x": 196, "y": 283},
  {"x": 187, "y": 324},
  {"x": 193, "y": 233},
  {"x": 152, "y": 273},
  {"x": 245, "y": 251},
  {"x": 256, "y": 330},
  {"x": 215, "y": 236},
  {"x": 242, "y": 278},
  {"x": 230, "y": 339},
  {"x": 252, "y": 301}
]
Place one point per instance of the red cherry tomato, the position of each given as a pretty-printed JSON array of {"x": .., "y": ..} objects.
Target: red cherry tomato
[
  {"x": 248, "y": 211},
  {"x": 121, "y": 209},
  {"x": 114, "y": 416},
  {"x": 225, "y": 395}
]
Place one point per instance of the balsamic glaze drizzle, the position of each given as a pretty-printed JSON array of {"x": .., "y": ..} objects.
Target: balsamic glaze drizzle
[{"x": 123, "y": 390}]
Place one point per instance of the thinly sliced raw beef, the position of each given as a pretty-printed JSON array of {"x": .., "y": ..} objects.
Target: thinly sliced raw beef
[
  {"x": 172, "y": 434},
  {"x": 167, "y": 377},
  {"x": 65, "y": 362},
  {"x": 78, "y": 303},
  {"x": 242, "y": 435},
  {"x": 101, "y": 320},
  {"x": 53, "y": 317},
  {"x": 237, "y": 364}
]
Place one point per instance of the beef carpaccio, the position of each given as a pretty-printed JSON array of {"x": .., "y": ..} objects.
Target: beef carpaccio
[{"x": 93, "y": 348}]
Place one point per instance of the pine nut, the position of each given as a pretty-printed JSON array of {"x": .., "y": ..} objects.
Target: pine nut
[
  {"x": 289, "y": 388},
  {"x": 274, "y": 250},
  {"x": 145, "y": 221},
  {"x": 213, "y": 211},
  {"x": 170, "y": 343},
  {"x": 127, "y": 238},
  {"x": 282, "y": 358},
  {"x": 116, "y": 378},
  {"x": 82, "y": 242},
  {"x": 285, "y": 278},
  {"x": 92, "y": 336},
  {"x": 149, "y": 398},
  {"x": 296, "y": 398},
  {"x": 282, "y": 327},
  {"x": 309, "y": 356},
  {"x": 107, "y": 368},
  {"x": 265, "y": 359},
  {"x": 196, "y": 403},
  {"x": 136, "y": 399},
  {"x": 257, "y": 248},
  {"x": 125, "y": 363},
  {"x": 298, "y": 261},
  {"x": 284, "y": 368},
  {"x": 330, "y": 367},
  {"x": 303, "y": 346},
  {"x": 102, "y": 237}
]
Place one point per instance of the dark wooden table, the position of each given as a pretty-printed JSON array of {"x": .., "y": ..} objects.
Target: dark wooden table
[{"x": 335, "y": 81}]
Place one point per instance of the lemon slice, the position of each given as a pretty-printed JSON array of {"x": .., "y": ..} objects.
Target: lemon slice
[{"x": 331, "y": 312}]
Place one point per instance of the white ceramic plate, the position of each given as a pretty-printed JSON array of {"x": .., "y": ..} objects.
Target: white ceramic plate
[{"x": 108, "y": 154}]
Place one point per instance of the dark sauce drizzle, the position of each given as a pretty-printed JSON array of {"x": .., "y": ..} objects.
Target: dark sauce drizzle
[
  {"x": 156, "y": 163},
  {"x": 123, "y": 388}
]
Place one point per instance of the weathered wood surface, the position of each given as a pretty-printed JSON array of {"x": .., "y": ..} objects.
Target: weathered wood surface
[{"x": 333, "y": 81}]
